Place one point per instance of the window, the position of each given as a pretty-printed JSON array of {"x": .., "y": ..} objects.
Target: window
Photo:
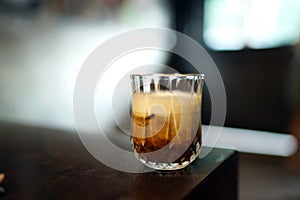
[{"x": 257, "y": 24}]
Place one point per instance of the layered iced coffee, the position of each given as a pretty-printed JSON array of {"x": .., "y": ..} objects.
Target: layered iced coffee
[{"x": 166, "y": 128}]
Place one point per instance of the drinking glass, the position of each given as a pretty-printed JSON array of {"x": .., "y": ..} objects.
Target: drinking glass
[{"x": 166, "y": 119}]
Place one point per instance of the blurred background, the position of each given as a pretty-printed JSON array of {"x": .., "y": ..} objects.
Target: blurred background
[{"x": 255, "y": 44}]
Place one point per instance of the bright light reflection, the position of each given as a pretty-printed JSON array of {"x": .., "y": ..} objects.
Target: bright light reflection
[
  {"x": 235, "y": 24},
  {"x": 259, "y": 142}
]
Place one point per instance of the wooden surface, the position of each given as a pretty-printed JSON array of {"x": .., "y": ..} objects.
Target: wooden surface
[{"x": 49, "y": 164}]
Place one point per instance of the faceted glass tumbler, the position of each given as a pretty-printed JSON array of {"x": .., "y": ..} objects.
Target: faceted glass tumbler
[{"x": 166, "y": 119}]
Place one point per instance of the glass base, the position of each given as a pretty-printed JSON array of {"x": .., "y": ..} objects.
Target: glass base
[{"x": 169, "y": 166}]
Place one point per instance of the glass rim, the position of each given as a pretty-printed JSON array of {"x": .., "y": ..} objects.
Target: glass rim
[{"x": 165, "y": 75}]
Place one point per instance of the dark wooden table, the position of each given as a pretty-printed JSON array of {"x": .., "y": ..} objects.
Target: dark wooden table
[{"x": 50, "y": 164}]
